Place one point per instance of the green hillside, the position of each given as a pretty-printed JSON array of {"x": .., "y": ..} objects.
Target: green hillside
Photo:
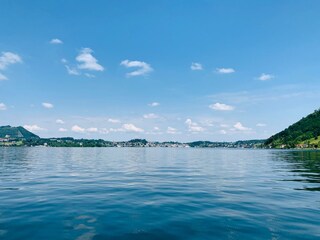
[
  {"x": 16, "y": 132},
  {"x": 304, "y": 133}
]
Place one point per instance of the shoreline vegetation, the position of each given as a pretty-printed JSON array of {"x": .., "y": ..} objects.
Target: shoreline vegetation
[
  {"x": 71, "y": 142},
  {"x": 304, "y": 134},
  {"x": 143, "y": 143}
]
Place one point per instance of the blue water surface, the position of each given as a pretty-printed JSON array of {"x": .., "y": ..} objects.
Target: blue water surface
[{"x": 158, "y": 193}]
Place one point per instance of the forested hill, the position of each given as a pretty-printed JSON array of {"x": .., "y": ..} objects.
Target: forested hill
[
  {"x": 304, "y": 133},
  {"x": 16, "y": 132}
]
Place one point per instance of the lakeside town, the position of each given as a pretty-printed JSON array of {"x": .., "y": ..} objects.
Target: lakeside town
[
  {"x": 19, "y": 137},
  {"x": 71, "y": 142}
]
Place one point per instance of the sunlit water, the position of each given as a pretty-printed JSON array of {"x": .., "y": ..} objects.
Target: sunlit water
[{"x": 158, "y": 193}]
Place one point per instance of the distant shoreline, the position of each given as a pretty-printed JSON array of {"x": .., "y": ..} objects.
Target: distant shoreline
[
  {"x": 71, "y": 142},
  {"x": 172, "y": 147},
  {"x": 141, "y": 143}
]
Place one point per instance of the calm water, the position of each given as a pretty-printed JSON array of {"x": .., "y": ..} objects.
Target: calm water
[{"x": 158, "y": 193}]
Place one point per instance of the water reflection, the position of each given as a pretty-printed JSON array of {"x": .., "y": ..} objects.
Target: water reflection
[
  {"x": 304, "y": 166},
  {"x": 140, "y": 193}
]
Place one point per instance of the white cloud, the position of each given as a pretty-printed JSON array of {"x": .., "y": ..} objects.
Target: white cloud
[
  {"x": 104, "y": 131},
  {"x": 56, "y": 41},
  {"x": 240, "y": 127},
  {"x": 33, "y": 128},
  {"x": 171, "y": 130},
  {"x": 221, "y": 107},
  {"x": 278, "y": 93},
  {"x": 193, "y": 127},
  {"x": 62, "y": 130},
  {"x": 116, "y": 130},
  {"x": 156, "y": 128},
  {"x": 88, "y": 61},
  {"x": 261, "y": 125},
  {"x": 265, "y": 77},
  {"x": 89, "y": 75},
  {"x": 225, "y": 70},
  {"x": 59, "y": 121},
  {"x": 224, "y": 125},
  {"x": 3, "y": 77},
  {"x": 47, "y": 105},
  {"x": 129, "y": 127},
  {"x": 150, "y": 116},
  {"x": 143, "y": 67},
  {"x": 92, "y": 129},
  {"x": 72, "y": 70},
  {"x": 154, "y": 104},
  {"x": 3, "y": 107},
  {"x": 207, "y": 122},
  {"x": 223, "y": 131},
  {"x": 111, "y": 120},
  {"x": 196, "y": 66},
  {"x": 78, "y": 129},
  {"x": 9, "y": 58}
]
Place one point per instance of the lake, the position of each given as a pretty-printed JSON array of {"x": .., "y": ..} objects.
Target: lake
[{"x": 158, "y": 193}]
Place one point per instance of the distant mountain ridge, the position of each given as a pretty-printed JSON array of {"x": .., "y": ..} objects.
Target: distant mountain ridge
[
  {"x": 302, "y": 134},
  {"x": 16, "y": 132}
]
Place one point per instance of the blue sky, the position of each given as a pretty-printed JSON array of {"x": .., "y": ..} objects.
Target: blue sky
[{"x": 160, "y": 70}]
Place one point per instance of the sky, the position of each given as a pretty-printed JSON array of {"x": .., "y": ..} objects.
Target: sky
[{"x": 168, "y": 70}]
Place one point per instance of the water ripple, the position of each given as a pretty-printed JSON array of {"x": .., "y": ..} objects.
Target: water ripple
[{"x": 158, "y": 193}]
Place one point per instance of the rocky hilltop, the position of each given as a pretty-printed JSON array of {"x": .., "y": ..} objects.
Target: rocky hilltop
[{"x": 8, "y": 132}]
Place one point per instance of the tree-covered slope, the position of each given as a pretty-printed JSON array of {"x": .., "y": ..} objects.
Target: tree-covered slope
[
  {"x": 304, "y": 133},
  {"x": 16, "y": 132}
]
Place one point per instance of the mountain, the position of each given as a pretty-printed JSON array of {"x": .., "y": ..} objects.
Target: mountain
[
  {"x": 16, "y": 132},
  {"x": 302, "y": 134}
]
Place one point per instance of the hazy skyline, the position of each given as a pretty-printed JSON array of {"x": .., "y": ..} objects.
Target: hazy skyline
[{"x": 160, "y": 70}]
